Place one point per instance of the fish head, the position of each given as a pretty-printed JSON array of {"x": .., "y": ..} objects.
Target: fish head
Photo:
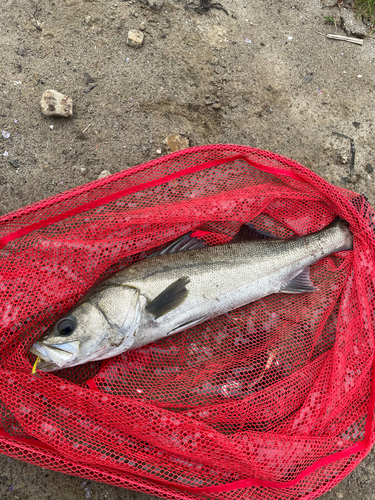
[{"x": 97, "y": 328}]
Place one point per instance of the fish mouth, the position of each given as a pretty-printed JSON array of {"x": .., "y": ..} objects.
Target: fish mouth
[{"x": 55, "y": 356}]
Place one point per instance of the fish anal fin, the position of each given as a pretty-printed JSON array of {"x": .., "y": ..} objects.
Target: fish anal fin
[
  {"x": 300, "y": 283},
  {"x": 170, "y": 298}
]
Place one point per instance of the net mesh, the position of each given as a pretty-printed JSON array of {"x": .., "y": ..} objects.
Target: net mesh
[{"x": 273, "y": 399}]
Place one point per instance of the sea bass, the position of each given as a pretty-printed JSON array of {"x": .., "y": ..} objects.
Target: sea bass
[{"x": 168, "y": 293}]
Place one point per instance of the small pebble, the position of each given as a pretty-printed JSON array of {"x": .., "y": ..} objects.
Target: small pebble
[
  {"x": 21, "y": 51},
  {"x": 135, "y": 38},
  {"x": 175, "y": 142},
  {"x": 5, "y": 134},
  {"x": 83, "y": 170},
  {"x": 155, "y": 5},
  {"x": 217, "y": 105},
  {"x": 142, "y": 26},
  {"x": 105, "y": 173},
  {"x": 158, "y": 151},
  {"x": 14, "y": 163},
  {"x": 50, "y": 33},
  {"x": 51, "y": 127},
  {"x": 369, "y": 168},
  {"x": 344, "y": 159},
  {"x": 5, "y": 153},
  {"x": 55, "y": 104}
]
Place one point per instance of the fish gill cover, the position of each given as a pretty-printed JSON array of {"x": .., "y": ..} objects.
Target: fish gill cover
[{"x": 274, "y": 399}]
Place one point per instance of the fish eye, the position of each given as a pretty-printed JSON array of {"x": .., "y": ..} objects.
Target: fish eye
[{"x": 66, "y": 326}]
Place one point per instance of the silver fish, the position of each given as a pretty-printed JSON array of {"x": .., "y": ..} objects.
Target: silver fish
[{"x": 166, "y": 294}]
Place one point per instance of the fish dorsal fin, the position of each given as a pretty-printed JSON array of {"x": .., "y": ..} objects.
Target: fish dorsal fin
[
  {"x": 248, "y": 232},
  {"x": 300, "y": 283},
  {"x": 170, "y": 298},
  {"x": 185, "y": 242}
]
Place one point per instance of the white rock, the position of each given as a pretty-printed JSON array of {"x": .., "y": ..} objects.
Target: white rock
[
  {"x": 135, "y": 38},
  {"x": 55, "y": 104},
  {"x": 105, "y": 173}
]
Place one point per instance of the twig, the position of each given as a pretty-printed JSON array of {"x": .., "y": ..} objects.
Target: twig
[
  {"x": 85, "y": 130},
  {"x": 333, "y": 62},
  {"x": 87, "y": 91},
  {"x": 358, "y": 41},
  {"x": 270, "y": 360}
]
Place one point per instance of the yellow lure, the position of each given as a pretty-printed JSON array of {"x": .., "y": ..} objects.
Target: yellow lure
[{"x": 33, "y": 371}]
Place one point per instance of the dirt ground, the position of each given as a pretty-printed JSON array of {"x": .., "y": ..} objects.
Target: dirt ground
[{"x": 261, "y": 74}]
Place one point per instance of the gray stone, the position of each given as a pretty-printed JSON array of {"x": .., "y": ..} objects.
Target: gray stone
[
  {"x": 55, "y": 104},
  {"x": 351, "y": 24},
  {"x": 21, "y": 51},
  {"x": 155, "y": 5}
]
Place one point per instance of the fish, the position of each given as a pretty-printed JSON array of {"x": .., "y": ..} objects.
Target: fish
[{"x": 176, "y": 290}]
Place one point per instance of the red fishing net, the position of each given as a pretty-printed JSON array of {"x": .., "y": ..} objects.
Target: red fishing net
[{"x": 273, "y": 400}]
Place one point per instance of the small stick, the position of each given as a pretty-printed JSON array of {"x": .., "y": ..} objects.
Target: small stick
[
  {"x": 332, "y": 60},
  {"x": 270, "y": 360},
  {"x": 86, "y": 129},
  {"x": 358, "y": 41},
  {"x": 87, "y": 91}
]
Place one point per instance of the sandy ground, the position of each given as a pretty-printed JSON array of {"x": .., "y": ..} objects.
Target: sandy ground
[{"x": 262, "y": 75}]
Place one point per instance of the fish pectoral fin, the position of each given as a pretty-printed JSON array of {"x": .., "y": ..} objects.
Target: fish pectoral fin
[
  {"x": 300, "y": 283},
  {"x": 170, "y": 298}
]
